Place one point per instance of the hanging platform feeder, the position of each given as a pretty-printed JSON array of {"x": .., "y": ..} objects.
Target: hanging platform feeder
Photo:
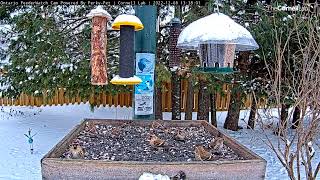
[
  {"x": 127, "y": 24},
  {"x": 216, "y": 37}
]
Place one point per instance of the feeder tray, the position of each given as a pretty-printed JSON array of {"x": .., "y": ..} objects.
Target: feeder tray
[{"x": 53, "y": 166}]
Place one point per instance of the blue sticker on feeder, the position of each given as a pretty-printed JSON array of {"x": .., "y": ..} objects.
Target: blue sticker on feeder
[
  {"x": 145, "y": 65},
  {"x": 146, "y": 86},
  {"x": 216, "y": 42}
]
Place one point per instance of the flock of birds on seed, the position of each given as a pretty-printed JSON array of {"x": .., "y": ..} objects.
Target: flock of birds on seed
[{"x": 201, "y": 153}]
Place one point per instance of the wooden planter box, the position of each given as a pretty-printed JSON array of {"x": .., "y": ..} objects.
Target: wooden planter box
[{"x": 54, "y": 167}]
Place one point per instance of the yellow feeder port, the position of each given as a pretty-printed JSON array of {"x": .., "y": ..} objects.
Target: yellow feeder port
[
  {"x": 117, "y": 80},
  {"x": 127, "y": 20}
]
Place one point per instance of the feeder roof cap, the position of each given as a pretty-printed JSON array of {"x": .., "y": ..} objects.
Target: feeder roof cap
[
  {"x": 99, "y": 11},
  {"x": 127, "y": 20},
  {"x": 216, "y": 28},
  {"x": 117, "y": 80}
]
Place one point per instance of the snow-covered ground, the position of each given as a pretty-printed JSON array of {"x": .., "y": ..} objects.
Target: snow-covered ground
[{"x": 52, "y": 123}]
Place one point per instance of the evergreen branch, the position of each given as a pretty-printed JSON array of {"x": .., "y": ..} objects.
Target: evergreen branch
[
  {"x": 69, "y": 25},
  {"x": 74, "y": 20}
]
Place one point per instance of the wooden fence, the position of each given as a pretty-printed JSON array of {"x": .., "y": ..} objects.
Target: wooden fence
[{"x": 121, "y": 99}]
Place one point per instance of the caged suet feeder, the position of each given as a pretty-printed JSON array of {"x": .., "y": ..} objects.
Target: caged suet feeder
[
  {"x": 98, "y": 60},
  {"x": 216, "y": 37},
  {"x": 127, "y": 24},
  {"x": 175, "y": 52}
]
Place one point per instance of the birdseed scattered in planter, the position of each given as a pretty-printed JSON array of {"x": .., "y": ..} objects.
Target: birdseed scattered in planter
[{"x": 154, "y": 143}]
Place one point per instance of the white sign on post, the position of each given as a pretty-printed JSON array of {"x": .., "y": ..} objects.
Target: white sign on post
[{"x": 143, "y": 94}]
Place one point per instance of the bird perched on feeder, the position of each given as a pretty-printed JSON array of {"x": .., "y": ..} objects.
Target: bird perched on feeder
[
  {"x": 115, "y": 132},
  {"x": 156, "y": 125},
  {"x": 91, "y": 127},
  {"x": 155, "y": 141},
  {"x": 202, "y": 154},
  {"x": 216, "y": 144},
  {"x": 127, "y": 24},
  {"x": 180, "y": 136},
  {"x": 76, "y": 151}
]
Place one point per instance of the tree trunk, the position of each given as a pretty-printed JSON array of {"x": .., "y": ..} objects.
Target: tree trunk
[
  {"x": 158, "y": 104},
  {"x": 203, "y": 102},
  {"x": 189, "y": 104},
  {"x": 284, "y": 115},
  {"x": 296, "y": 118},
  {"x": 176, "y": 96},
  {"x": 282, "y": 126},
  {"x": 213, "y": 109},
  {"x": 232, "y": 119},
  {"x": 252, "y": 115}
]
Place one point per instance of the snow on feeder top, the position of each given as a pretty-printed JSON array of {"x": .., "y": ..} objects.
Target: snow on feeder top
[
  {"x": 99, "y": 11},
  {"x": 127, "y": 24},
  {"x": 98, "y": 60},
  {"x": 127, "y": 20},
  {"x": 217, "y": 37}
]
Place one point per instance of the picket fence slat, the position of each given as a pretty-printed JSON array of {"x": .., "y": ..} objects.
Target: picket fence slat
[{"x": 124, "y": 99}]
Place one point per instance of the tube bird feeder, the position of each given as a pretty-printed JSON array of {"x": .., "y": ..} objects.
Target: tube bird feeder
[
  {"x": 127, "y": 24},
  {"x": 98, "y": 60}
]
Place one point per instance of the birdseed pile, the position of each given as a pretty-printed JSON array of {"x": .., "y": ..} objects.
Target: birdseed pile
[{"x": 132, "y": 143}]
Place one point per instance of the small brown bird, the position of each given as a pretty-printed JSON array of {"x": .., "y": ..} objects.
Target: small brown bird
[
  {"x": 157, "y": 125},
  {"x": 115, "y": 132},
  {"x": 155, "y": 141},
  {"x": 91, "y": 128},
  {"x": 202, "y": 154},
  {"x": 216, "y": 144},
  {"x": 180, "y": 136},
  {"x": 76, "y": 151},
  {"x": 166, "y": 131}
]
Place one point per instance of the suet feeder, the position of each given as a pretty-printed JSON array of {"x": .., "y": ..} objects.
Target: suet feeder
[
  {"x": 98, "y": 45},
  {"x": 175, "y": 52},
  {"x": 216, "y": 37},
  {"x": 127, "y": 24}
]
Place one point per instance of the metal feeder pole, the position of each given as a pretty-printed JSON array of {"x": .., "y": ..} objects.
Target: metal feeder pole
[{"x": 145, "y": 42}]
